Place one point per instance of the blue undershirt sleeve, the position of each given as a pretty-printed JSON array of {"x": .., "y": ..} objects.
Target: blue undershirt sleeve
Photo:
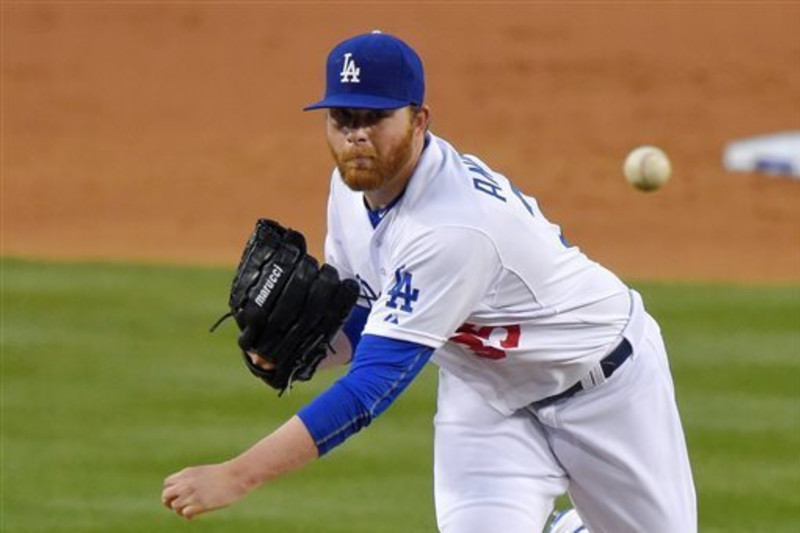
[
  {"x": 355, "y": 325},
  {"x": 382, "y": 368}
]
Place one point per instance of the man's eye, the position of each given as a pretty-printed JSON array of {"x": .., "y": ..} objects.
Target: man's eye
[
  {"x": 345, "y": 118},
  {"x": 341, "y": 117},
  {"x": 377, "y": 116}
]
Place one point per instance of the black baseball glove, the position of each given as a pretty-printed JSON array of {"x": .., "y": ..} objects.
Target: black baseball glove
[{"x": 288, "y": 308}]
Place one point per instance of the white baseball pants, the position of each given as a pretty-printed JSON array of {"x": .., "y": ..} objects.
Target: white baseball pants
[{"x": 618, "y": 449}]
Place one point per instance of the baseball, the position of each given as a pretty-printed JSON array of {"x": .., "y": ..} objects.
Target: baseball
[{"x": 647, "y": 168}]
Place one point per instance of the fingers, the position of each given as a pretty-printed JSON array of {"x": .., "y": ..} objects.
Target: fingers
[
  {"x": 171, "y": 480},
  {"x": 172, "y": 496},
  {"x": 183, "y": 504},
  {"x": 187, "y": 510},
  {"x": 178, "y": 496},
  {"x": 199, "y": 489},
  {"x": 190, "y": 511},
  {"x": 169, "y": 495},
  {"x": 260, "y": 361}
]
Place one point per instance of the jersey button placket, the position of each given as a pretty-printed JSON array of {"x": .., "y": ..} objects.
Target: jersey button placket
[{"x": 376, "y": 251}]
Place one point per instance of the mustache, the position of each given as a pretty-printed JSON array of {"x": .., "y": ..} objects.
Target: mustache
[{"x": 355, "y": 154}]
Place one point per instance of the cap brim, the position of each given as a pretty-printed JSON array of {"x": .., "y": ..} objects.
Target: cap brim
[{"x": 358, "y": 101}]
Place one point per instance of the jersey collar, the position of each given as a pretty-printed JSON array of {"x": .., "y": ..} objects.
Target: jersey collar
[{"x": 376, "y": 215}]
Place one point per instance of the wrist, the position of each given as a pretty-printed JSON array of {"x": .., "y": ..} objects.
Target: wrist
[
  {"x": 284, "y": 450},
  {"x": 244, "y": 474}
]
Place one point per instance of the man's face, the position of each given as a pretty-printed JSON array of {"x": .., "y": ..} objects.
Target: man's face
[{"x": 371, "y": 147}]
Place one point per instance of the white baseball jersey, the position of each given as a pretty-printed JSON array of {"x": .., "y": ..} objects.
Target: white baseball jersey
[{"x": 465, "y": 263}]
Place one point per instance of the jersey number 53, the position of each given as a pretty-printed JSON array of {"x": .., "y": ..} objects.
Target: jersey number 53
[{"x": 478, "y": 339}]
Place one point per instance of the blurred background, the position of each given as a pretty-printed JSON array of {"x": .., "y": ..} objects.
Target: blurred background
[
  {"x": 141, "y": 140},
  {"x": 162, "y": 130}
]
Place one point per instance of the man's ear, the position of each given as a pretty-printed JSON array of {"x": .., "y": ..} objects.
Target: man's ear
[{"x": 422, "y": 118}]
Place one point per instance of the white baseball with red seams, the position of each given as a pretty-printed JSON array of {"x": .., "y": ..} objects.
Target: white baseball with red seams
[
  {"x": 468, "y": 265},
  {"x": 647, "y": 168}
]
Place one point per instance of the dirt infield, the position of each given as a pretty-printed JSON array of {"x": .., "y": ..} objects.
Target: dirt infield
[{"x": 161, "y": 131}]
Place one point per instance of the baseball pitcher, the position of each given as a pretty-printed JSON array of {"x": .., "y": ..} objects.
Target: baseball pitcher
[{"x": 553, "y": 377}]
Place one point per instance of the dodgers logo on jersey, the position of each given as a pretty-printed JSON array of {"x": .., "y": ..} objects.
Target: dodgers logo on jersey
[
  {"x": 402, "y": 290},
  {"x": 350, "y": 72}
]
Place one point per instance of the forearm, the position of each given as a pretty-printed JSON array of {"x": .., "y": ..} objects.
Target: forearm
[
  {"x": 381, "y": 370},
  {"x": 288, "y": 448},
  {"x": 203, "y": 488}
]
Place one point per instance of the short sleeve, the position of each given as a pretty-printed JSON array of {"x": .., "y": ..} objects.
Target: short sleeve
[{"x": 436, "y": 281}]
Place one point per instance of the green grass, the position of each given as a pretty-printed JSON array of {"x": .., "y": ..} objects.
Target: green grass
[{"x": 110, "y": 382}]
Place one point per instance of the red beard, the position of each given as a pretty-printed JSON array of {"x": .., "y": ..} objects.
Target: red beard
[{"x": 366, "y": 169}]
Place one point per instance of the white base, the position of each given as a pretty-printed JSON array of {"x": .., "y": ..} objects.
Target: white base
[{"x": 777, "y": 154}]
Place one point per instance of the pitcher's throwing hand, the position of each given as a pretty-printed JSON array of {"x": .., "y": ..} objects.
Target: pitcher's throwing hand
[{"x": 199, "y": 489}]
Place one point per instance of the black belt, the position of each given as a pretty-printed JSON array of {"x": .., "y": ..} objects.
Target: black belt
[{"x": 609, "y": 364}]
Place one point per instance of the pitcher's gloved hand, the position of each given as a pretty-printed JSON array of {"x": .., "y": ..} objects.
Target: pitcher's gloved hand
[{"x": 288, "y": 308}]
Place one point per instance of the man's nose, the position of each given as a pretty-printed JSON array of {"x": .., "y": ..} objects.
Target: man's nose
[{"x": 357, "y": 135}]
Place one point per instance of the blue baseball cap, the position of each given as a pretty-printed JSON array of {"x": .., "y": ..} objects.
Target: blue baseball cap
[{"x": 373, "y": 71}]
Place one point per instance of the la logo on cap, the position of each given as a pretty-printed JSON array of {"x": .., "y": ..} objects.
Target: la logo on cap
[
  {"x": 392, "y": 74},
  {"x": 350, "y": 71}
]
